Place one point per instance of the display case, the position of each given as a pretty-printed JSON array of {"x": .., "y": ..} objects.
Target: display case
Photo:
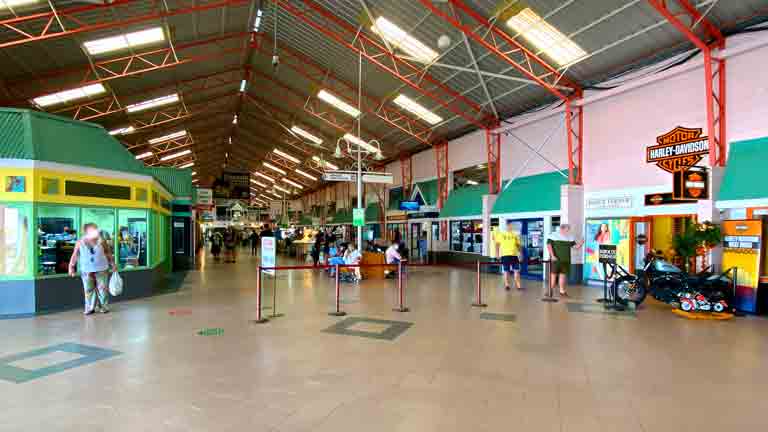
[
  {"x": 132, "y": 239},
  {"x": 467, "y": 236},
  {"x": 57, "y": 233}
]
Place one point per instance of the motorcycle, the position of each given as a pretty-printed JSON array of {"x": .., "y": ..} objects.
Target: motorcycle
[{"x": 669, "y": 284}]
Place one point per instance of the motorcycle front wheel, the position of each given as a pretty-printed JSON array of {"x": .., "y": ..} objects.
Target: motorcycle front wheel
[{"x": 629, "y": 289}]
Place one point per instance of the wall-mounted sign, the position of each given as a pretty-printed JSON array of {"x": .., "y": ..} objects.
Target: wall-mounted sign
[
  {"x": 204, "y": 196},
  {"x": 664, "y": 199},
  {"x": 606, "y": 253},
  {"x": 691, "y": 183},
  {"x": 678, "y": 149},
  {"x": 742, "y": 249},
  {"x": 358, "y": 217},
  {"x": 609, "y": 203}
]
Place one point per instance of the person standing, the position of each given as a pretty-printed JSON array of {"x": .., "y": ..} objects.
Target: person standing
[
  {"x": 559, "y": 246},
  {"x": 96, "y": 260},
  {"x": 230, "y": 244},
  {"x": 254, "y": 238},
  {"x": 508, "y": 249}
]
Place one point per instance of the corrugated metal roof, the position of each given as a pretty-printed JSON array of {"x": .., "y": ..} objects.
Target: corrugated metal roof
[
  {"x": 177, "y": 181},
  {"x": 13, "y": 144}
]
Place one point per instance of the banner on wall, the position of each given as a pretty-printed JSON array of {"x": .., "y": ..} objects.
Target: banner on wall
[
  {"x": 599, "y": 232},
  {"x": 742, "y": 240}
]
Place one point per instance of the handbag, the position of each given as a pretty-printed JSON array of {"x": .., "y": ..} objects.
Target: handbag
[{"x": 115, "y": 284}]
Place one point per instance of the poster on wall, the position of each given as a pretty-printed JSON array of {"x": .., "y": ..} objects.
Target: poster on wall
[
  {"x": 605, "y": 232},
  {"x": 742, "y": 241},
  {"x": 691, "y": 184}
]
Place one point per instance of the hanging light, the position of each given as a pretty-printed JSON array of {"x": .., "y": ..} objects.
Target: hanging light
[
  {"x": 337, "y": 152},
  {"x": 274, "y": 168}
]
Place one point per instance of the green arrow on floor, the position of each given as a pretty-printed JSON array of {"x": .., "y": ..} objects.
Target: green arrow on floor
[{"x": 211, "y": 332}]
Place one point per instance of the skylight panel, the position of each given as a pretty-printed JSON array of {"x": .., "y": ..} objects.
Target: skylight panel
[
  {"x": 417, "y": 109},
  {"x": 168, "y": 137},
  {"x": 175, "y": 155},
  {"x": 403, "y": 41},
  {"x": 125, "y": 41},
  {"x": 331, "y": 99},
  {"x": 545, "y": 37},
  {"x": 152, "y": 103},
  {"x": 69, "y": 95},
  {"x": 286, "y": 156},
  {"x": 301, "y": 132}
]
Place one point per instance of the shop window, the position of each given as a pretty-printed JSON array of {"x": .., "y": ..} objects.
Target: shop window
[
  {"x": 467, "y": 236},
  {"x": 50, "y": 186},
  {"x": 57, "y": 233},
  {"x": 132, "y": 239},
  {"x": 104, "y": 218},
  {"x": 141, "y": 194},
  {"x": 15, "y": 241}
]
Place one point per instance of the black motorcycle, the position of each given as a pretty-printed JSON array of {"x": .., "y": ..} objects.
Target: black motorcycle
[{"x": 668, "y": 283}]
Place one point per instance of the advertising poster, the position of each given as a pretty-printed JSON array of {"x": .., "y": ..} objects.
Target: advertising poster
[
  {"x": 268, "y": 247},
  {"x": 607, "y": 232},
  {"x": 741, "y": 249}
]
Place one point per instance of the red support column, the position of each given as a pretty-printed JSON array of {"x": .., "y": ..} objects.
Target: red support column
[
  {"x": 574, "y": 123},
  {"x": 714, "y": 71},
  {"x": 493, "y": 149},
  {"x": 406, "y": 171},
  {"x": 441, "y": 157}
]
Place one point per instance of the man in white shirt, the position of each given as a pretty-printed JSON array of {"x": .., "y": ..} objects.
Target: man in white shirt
[{"x": 392, "y": 256}]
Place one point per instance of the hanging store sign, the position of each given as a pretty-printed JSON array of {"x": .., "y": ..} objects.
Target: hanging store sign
[
  {"x": 204, "y": 196},
  {"x": 691, "y": 183},
  {"x": 358, "y": 217},
  {"x": 664, "y": 199},
  {"x": 678, "y": 149},
  {"x": 378, "y": 178},
  {"x": 338, "y": 176}
]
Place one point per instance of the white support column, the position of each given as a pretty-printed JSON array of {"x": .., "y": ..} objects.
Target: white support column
[{"x": 572, "y": 213}]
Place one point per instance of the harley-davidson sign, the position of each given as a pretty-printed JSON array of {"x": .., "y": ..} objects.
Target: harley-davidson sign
[{"x": 678, "y": 149}]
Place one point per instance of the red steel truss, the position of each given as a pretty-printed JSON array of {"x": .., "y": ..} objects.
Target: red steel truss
[
  {"x": 82, "y": 19},
  {"x": 415, "y": 77},
  {"x": 91, "y": 110},
  {"x": 714, "y": 71},
  {"x": 323, "y": 78},
  {"x": 132, "y": 65},
  {"x": 528, "y": 64},
  {"x": 406, "y": 174},
  {"x": 574, "y": 117},
  {"x": 493, "y": 150},
  {"x": 441, "y": 158}
]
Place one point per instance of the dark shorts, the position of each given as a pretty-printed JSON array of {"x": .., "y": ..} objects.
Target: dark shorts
[
  {"x": 510, "y": 263},
  {"x": 561, "y": 267}
]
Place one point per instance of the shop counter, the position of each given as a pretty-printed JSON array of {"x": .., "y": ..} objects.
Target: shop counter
[{"x": 374, "y": 272}]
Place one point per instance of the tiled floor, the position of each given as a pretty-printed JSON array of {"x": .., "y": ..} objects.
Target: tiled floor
[{"x": 528, "y": 366}]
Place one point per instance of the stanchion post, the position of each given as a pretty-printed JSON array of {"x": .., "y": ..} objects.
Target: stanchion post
[
  {"x": 548, "y": 294},
  {"x": 337, "y": 311},
  {"x": 259, "y": 318},
  {"x": 274, "y": 313},
  {"x": 478, "y": 290},
  {"x": 400, "y": 293},
  {"x": 605, "y": 298}
]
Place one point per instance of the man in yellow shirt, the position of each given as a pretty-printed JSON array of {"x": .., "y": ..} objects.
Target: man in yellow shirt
[{"x": 508, "y": 248}]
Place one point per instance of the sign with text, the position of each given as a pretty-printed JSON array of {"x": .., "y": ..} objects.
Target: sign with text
[
  {"x": 204, "y": 196},
  {"x": 268, "y": 249},
  {"x": 607, "y": 253},
  {"x": 664, "y": 199},
  {"x": 678, "y": 149},
  {"x": 358, "y": 217},
  {"x": 692, "y": 183},
  {"x": 378, "y": 178},
  {"x": 338, "y": 176},
  {"x": 609, "y": 203},
  {"x": 742, "y": 249}
]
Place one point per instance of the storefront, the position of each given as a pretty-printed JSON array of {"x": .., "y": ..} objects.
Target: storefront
[
  {"x": 462, "y": 213},
  {"x": 532, "y": 205},
  {"x": 57, "y": 175},
  {"x": 743, "y": 201}
]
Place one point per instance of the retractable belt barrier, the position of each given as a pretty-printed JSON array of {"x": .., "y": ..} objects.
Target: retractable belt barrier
[
  {"x": 400, "y": 307},
  {"x": 548, "y": 296}
]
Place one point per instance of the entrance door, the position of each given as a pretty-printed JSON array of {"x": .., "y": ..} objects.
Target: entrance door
[
  {"x": 413, "y": 250},
  {"x": 641, "y": 238},
  {"x": 532, "y": 238}
]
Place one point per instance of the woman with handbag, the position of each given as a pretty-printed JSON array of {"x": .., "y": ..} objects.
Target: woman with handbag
[{"x": 95, "y": 256}]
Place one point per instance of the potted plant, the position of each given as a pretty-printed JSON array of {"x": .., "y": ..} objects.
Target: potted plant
[{"x": 695, "y": 239}]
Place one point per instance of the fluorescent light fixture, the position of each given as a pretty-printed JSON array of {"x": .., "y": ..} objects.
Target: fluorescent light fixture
[
  {"x": 293, "y": 183},
  {"x": 16, "y": 3},
  {"x": 268, "y": 198},
  {"x": 260, "y": 183},
  {"x": 307, "y": 175},
  {"x": 401, "y": 40},
  {"x": 168, "y": 137},
  {"x": 282, "y": 189},
  {"x": 301, "y": 132},
  {"x": 331, "y": 99},
  {"x": 152, "y": 103},
  {"x": 274, "y": 168},
  {"x": 122, "y": 130},
  {"x": 176, "y": 155},
  {"x": 69, "y": 95},
  {"x": 472, "y": 182},
  {"x": 286, "y": 155},
  {"x": 325, "y": 163},
  {"x": 234, "y": 120},
  {"x": 545, "y": 37},
  {"x": 264, "y": 176},
  {"x": 144, "y": 155},
  {"x": 125, "y": 41},
  {"x": 417, "y": 109},
  {"x": 187, "y": 165},
  {"x": 243, "y": 84},
  {"x": 194, "y": 172},
  {"x": 257, "y": 20},
  {"x": 360, "y": 143},
  {"x": 194, "y": 180}
]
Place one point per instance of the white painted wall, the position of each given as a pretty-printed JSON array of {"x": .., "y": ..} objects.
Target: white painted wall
[{"x": 747, "y": 92}]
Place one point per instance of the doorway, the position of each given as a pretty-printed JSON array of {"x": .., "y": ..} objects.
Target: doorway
[
  {"x": 532, "y": 253},
  {"x": 655, "y": 233},
  {"x": 415, "y": 236}
]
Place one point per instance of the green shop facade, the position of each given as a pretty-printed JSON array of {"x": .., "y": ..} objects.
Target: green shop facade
[{"x": 57, "y": 175}]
